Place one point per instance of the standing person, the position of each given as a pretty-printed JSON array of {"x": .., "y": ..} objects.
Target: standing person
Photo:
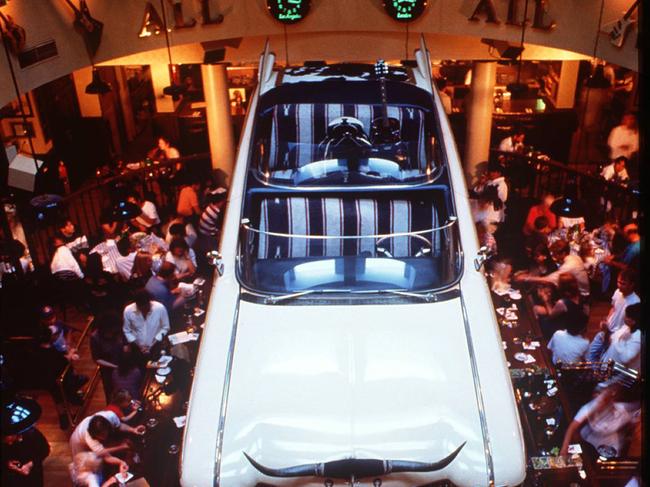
[
  {"x": 94, "y": 432},
  {"x": 514, "y": 142},
  {"x": 163, "y": 288},
  {"x": 630, "y": 255},
  {"x": 106, "y": 344},
  {"x": 623, "y": 140},
  {"x": 625, "y": 343},
  {"x": 145, "y": 322},
  {"x": 63, "y": 261},
  {"x": 23, "y": 450},
  {"x": 127, "y": 376},
  {"x": 616, "y": 171},
  {"x": 188, "y": 200},
  {"x": 623, "y": 297},
  {"x": 211, "y": 218}
]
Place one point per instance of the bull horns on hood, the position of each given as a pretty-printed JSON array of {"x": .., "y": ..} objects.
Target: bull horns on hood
[{"x": 355, "y": 467}]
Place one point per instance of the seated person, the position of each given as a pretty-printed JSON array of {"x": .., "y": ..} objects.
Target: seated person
[
  {"x": 149, "y": 216},
  {"x": 569, "y": 345},
  {"x": 94, "y": 432},
  {"x": 188, "y": 232},
  {"x": 625, "y": 343},
  {"x": 123, "y": 404},
  {"x": 74, "y": 240},
  {"x": 541, "y": 263},
  {"x": 183, "y": 258},
  {"x": 631, "y": 253},
  {"x": 606, "y": 420},
  {"x": 570, "y": 222},
  {"x": 542, "y": 209},
  {"x": 124, "y": 262},
  {"x": 514, "y": 142},
  {"x": 59, "y": 333},
  {"x": 538, "y": 236},
  {"x": 86, "y": 469}
]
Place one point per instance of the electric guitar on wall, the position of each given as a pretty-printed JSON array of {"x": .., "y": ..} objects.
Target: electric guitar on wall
[
  {"x": 618, "y": 33},
  {"x": 13, "y": 33},
  {"x": 90, "y": 28}
]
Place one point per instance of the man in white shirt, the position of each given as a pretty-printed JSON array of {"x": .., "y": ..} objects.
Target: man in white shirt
[
  {"x": 625, "y": 343},
  {"x": 149, "y": 216},
  {"x": 513, "y": 143},
  {"x": 63, "y": 260},
  {"x": 93, "y": 431},
  {"x": 616, "y": 172},
  {"x": 145, "y": 322},
  {"x": 573, "y": 264},
  {"x": 623, "y": 140},
  {"x": 623, "y": 297},
  {"x": 569, "y": 346}
]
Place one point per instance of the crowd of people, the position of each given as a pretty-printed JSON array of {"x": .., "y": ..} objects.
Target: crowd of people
[
  {"x": 568, "y": 268},
  {"x": 137, "y": 279}
]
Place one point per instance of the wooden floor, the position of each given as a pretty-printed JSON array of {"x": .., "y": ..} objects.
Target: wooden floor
[{"x": 56, "y": 465}]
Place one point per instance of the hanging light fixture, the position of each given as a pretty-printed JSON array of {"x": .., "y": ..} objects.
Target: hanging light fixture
[
  {"x": 519, "y": 89},
  {"x": 97, "y": 86},
  {"x": 174, "y": 90}
]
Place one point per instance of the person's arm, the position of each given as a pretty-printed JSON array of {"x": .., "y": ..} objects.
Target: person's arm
[
  {"x": 627, "y": 349},
  {"x": 164, "y": 325},
  {"x": 558, "y": 309},
  {"x": 128, "y": 328},
  {"x": 569, "y": 435},
  {"x": 138, "y": 430}
]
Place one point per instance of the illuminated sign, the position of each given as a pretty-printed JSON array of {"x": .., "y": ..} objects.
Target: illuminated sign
[
  {"x": 288, "y": 11},
  {"x": 405, "y": 10}
]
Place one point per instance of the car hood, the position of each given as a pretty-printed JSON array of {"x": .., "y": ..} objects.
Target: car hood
[{"x": 313, "y": 384}]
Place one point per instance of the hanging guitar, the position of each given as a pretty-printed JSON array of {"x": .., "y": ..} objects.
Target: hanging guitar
[
  {"x": 619, "y": 31},
  {"x": 13, "y": 34},
  {"x": 90, "y": 28},
  {"x": 384, "y": 129}
]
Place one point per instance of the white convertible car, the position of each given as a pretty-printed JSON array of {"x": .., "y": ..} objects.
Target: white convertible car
[{"x": 350, "y": 339}]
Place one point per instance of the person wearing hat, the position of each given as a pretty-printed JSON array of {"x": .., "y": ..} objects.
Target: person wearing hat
[
  {"x": 23, "y": 446},
  {"x": 60, "y": 333}
]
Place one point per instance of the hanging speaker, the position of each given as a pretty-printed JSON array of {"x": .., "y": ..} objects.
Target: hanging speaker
[{"x": 214, "y": 56}]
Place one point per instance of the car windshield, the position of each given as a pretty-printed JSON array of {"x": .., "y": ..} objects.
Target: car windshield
[{"x": 308, "y": 144}]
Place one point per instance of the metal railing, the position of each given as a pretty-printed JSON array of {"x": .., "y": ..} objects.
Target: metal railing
[
  {"x": 533, "y": 175},
  {"x": 74, "y": 417},
  {"x": 84, "y": 206}
]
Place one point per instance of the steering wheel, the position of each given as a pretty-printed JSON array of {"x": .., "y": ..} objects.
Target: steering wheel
[
  {"x": 344, "y": 133},
  {"x": 418, "y": 236}
]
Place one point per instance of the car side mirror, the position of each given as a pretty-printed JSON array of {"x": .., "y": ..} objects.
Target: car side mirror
[
  {"x": 215, "y": 259},
  {"x": 483, "y": 254}
]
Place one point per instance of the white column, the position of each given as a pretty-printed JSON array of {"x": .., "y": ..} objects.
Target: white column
[
  {"x": 479, "y": 115},
  {"x": 566, "y": 90},
  {"x": 217, "y": 102},
  {"x": 159, "y": 80}
]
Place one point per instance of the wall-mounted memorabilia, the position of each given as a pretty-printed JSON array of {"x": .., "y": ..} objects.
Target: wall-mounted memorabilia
[
  {"x": 288, "y": 11},
  {"x": 405, "y": 10}
]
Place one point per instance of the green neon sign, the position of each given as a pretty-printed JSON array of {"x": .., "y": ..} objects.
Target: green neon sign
[
  {"x": 288, "y": 11},
  {"x": 404, "y": 10}
]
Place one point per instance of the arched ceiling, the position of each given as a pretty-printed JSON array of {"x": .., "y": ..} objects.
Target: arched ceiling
[{"x": 334, "y": 29}]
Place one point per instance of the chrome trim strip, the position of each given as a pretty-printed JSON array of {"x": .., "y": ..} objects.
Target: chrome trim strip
[
  {"x": 224, "y": 396},
  {"x": 479, "y": 396},
  {"x": 451, "y": 221}
]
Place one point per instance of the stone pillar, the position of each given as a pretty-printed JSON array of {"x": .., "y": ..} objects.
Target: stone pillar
[
  {"x": 566, "y": 90},
  {"x": 479, "y": 116},
  {"x": 217, "y": 103}
]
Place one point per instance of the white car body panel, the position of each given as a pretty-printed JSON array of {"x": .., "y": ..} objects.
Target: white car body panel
[{"x": 307, "y": 384}]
